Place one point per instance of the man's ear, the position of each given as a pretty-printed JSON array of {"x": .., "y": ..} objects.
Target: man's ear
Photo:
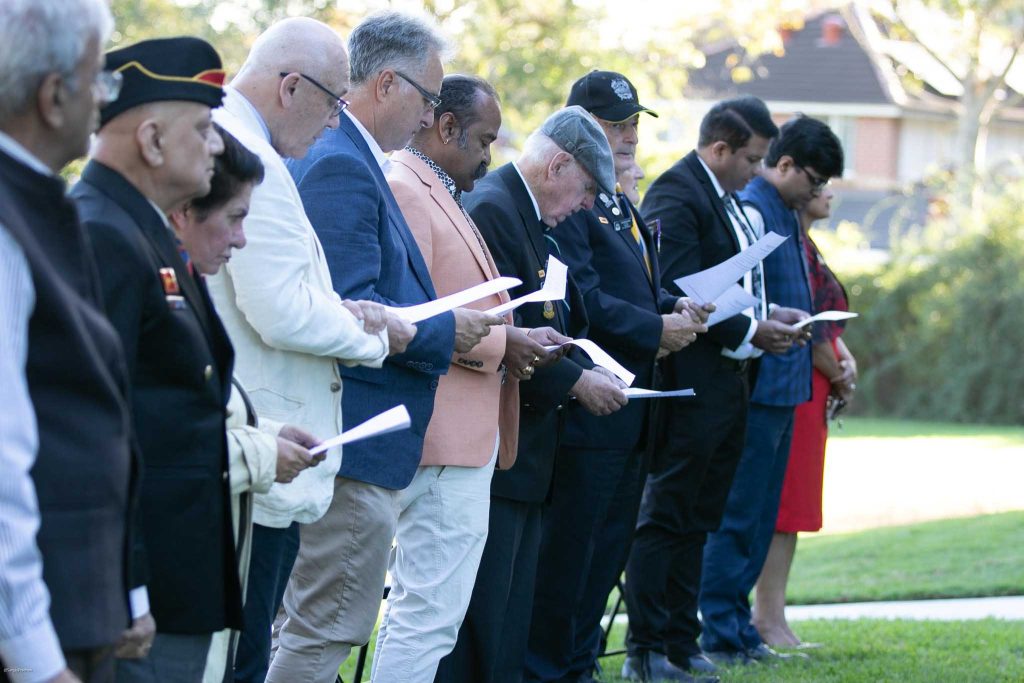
[
  {"x": 720, "y": 149},
  {"x": 385, "y": 85},
  {"x": 785, "y": 164},
  {"x": 179, "y": 218},
  {"x": 148, "y": 136},
  {"x": 559, "y": 164},
  {"x": 50, "y": 100},
  {"x": 286, "y": 89},
  {"x": 448, "y": 127}
]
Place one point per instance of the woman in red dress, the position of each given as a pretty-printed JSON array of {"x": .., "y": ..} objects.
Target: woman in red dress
[{"x": 834, "y": 379}]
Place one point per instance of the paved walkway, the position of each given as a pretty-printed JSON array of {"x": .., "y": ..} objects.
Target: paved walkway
[
  {"x": 961, "y": 609},
  {"x": 939, "y": 610}
]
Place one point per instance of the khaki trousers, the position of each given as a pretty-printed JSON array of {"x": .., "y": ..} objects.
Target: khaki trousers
[{"x": 334, "y": 594}]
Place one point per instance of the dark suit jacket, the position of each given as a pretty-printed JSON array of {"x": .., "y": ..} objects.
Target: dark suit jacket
[
  {"x": 696, "y": 234},
  {"x": 624, "y": 307},
  {"x": 85, "y": 472},
  {"x": 502, "y": 210},
  {"x": 180, "y": 360},
  {"x": 372, "y": 255}
]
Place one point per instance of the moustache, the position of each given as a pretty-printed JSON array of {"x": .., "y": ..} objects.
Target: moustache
[{"x": 480, "y": 171}]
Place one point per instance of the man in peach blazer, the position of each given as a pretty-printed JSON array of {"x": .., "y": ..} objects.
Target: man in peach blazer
[{"x": 443, "y": 522}]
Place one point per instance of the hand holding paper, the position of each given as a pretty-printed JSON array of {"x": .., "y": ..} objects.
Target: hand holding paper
[
  {"x": 389, "y": 421},
  {"x": 600, "y": 357},
  {"x": 553, "y": 289},
  {"x": 826, "y": 316},
  {"x": 707, "y": 285},
  {"x": 415, "y": 314}
]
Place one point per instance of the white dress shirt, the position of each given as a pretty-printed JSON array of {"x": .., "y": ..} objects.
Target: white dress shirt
[{"x": 746, "y": 349}]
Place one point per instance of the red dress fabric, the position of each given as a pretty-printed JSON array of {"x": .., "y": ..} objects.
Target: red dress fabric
[{"x": 800, "y": 505}]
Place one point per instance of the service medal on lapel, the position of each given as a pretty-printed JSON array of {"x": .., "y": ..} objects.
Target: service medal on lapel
[{"x": 549, "y": 310}]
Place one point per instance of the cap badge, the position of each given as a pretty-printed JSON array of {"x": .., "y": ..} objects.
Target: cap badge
[{"x": 621, "y": 88}]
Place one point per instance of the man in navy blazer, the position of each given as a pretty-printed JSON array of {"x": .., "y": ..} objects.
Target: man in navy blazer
[
  {"x": 600, "y": 469},
  {"x": 395, "y": 71}
]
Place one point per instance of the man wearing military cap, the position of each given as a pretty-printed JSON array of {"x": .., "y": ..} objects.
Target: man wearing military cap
[
  {"x": 601, "y": 464},
  {"x": 561, "y": 168},
  {"x": 153, "y": 152}
]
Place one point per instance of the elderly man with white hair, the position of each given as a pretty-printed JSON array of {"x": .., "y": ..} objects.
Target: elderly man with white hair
[
  {"x": 68, "y": 471},
  {"x": 278, "y": 301}
]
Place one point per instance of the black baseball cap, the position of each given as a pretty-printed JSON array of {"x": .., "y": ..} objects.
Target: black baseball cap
[
  {"x": 164, "y": 69},
  {"x": 607, "y": 95}
]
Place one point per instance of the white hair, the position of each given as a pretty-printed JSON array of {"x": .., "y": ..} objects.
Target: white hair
[
  {"x": 393, "y": 40},
  {"x": 41, "y": 37},
  {"x": 539, "y": 148}
]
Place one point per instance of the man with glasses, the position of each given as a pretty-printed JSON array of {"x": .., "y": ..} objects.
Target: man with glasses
[
  {"x": 153, "y": 152},
  {"x": 278, "y": 303},
  {"x": 799, "y": 163},
  {"x": 65, "y": 428},
  {"x": 333, "y": 598}
]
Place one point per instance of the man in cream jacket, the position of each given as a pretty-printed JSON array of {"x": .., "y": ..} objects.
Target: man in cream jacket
[{"x": 277, "y": 301}]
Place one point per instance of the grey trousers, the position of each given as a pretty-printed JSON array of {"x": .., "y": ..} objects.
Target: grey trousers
[
  {"x": 334, "y": 594},
  {"x": 172, "y": 659}
]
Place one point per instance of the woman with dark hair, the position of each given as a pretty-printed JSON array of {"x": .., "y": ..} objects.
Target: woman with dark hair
[
  {"x": 833, "y": 384},
  {"x": 260, "y": 452}
]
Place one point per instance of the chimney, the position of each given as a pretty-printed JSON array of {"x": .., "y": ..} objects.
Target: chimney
[{"x": 832, "y": 28}]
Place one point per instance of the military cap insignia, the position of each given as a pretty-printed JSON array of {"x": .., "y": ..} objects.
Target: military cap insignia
[{"x": 621, "y": 88}]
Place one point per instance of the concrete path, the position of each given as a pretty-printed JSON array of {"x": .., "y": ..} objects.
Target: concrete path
[
  {"x": 961, "y": 609},
  {"x": 1011, "y": 608}
]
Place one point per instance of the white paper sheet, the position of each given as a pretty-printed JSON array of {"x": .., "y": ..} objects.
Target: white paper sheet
[
  {"x": 389, "y": 421},
  {"x": 553, "y": 289},
  {"x": 648, "y": 393},
  {"x": 734, "y": 300},
  {"x": 419, "y": 312},
  {"x": 708, "y": 285},
  {"x": 600, "y": 357},
  {"x": 826, "y": 315}
]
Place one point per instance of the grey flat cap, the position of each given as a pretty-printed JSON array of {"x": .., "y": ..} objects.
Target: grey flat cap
[{"x": 579, "y": 134}]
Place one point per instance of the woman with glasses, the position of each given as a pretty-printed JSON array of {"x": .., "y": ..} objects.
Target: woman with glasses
[{"x": 833, "y": 384}]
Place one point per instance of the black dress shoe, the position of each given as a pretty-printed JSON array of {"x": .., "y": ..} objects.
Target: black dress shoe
[
  {"x": 635, "y": 667},
  {"x": 661, "y": 669},
  {"x": 701, "y": 663}
]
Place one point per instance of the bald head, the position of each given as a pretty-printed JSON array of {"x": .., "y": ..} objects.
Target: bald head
[
  {"x": 297, "y": 44},
  {"x": 299, "y": 104}
]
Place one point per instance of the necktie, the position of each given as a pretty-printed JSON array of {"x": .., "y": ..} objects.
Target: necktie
[
  {"x": 634, "y": 229},
  {"x": 757, "y": 277}
]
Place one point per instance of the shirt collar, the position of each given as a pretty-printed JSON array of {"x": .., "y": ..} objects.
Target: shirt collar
[
  {"x": 382, "y": 159},
  {"x": 244, "y": 101},
  {"x": 714, "y": 179},
  {"x": 446, "y": 180},
  {"x": 536, "y": 206},
  {"x": 15, "y": 149}
]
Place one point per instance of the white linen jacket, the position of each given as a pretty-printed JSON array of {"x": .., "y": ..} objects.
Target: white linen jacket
[{"x": 287, "y": 323}]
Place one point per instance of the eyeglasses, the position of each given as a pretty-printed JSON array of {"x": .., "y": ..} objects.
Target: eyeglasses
[
  {"x": 817, "y": 182},
  {"x": 340, "y": 103},
  {"x": 108, "y": 86},
  {"x": 430, "y": 98}
]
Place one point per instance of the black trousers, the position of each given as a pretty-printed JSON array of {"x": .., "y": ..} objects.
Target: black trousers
[
  {"x": 698, "y": 446},
  {"x": 585, "y": 542},
  {"x": 491, "y": 646}
]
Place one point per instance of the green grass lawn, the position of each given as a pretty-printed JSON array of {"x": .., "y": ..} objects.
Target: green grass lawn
[
  {"x": 865, "y": 651},
  {"x": 969, "y": 557}
]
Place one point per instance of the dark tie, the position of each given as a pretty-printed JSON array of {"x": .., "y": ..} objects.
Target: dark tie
[{"x": 757, "y": 275}]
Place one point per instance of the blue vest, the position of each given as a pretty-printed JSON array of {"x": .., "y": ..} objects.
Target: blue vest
[{"x": 782, "y": 380}]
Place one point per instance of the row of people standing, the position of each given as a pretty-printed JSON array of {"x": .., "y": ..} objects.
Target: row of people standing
[{"x": 329, "y": 237}]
